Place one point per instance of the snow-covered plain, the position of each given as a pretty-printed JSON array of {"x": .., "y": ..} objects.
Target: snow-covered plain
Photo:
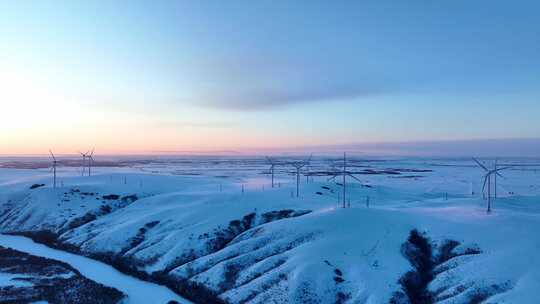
[{"x": 188, "y": 221}]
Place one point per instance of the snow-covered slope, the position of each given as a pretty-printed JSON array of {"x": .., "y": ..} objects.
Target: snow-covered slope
[{"x": 204, "y": 235}]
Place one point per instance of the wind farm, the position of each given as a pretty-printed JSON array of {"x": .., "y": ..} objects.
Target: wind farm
[
  {"x": 388, "y": 195},
  {"x": 269, "y": 152}
]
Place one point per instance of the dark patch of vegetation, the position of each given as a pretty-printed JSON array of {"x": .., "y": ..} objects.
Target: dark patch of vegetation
[
  {"x": 195, "y": 292},
  {"x": 52, "y": 281},
  {"x": 265, "y": 286},
  {"x": 151, "y": 224},
  {"x": 43, "y": 236},
  {"x": 342, "y": 298},
  {"x": 417, "y": 250},
  {"x": 224, "y": 236},
  {"x": 35, "y": 186},
  {"x": 427, "y": 264},
  {"x": 105, "y": 209},
  {"x": 338, "y": 280},
  {"x": 281, "y": 214},
  {"x": 482, "y": 294},
  {"x": 111, "y": 197},
  {"x": 230, "y": 275},
  {"x": 128, "y": 199},
  {"x": 140, "y": 237},
  {"x": 79, "y": 221}
]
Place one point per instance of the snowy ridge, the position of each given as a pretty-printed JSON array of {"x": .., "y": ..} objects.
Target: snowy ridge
[{"x": 263, "y": 245}]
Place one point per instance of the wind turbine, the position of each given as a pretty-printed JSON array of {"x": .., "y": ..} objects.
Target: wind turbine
[
  {"x": 344, "y": 173},
  {"x": 299, "y": 165},
  {"x": 54, "y": 168},
  {"x": 273, "y": 164},
  {"x": 487, "y": 170},
  {"x": 84, "y": 155},
  {"x": 487, "y": 180},
  {"x": 90, "y": 161}
]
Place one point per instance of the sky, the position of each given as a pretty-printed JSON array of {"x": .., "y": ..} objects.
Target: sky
[{"x": 173, "y": 76}]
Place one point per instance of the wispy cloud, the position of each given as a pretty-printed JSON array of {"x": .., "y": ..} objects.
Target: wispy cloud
[
  {"x": 248, "y": 84},
  {"x": 200, "y": 125}
]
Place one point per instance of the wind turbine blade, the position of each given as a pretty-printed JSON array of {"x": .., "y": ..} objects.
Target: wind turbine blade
[
  {"x": 500, "y": 169},
  {"x": 54, "y": 158},
  {"x": 480, "y": 164},
  {"x": 92, "y": 153},
  {"x": 354, "y": 177}
]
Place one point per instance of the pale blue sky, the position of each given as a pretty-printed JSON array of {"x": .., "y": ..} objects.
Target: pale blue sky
[{"x": 133, "y": 76}]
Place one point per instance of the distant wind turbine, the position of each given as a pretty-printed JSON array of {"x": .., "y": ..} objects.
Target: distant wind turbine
[
  {"x": 487, "y": 180},
  {"x": 273, "y": 164},
  {"x": 299, "y": 165},
  {"x": 90, "y": 161},
  {"x": 53, "y": 168},
  {"x": 344, "y": 173},
  {"x": 84, "y": 156}
]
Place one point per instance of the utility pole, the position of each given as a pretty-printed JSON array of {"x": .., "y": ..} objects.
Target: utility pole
[
  {"x": 297, "y": 181},
  {"x": 344, "y": 174},
  {"x": 272, "y": 175},
  {"x": 495, "y": 178}
]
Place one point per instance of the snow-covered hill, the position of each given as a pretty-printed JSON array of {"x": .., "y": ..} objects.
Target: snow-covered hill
[{"x": 424, "y": 236}]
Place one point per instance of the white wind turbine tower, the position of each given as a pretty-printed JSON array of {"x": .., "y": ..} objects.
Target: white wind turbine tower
[
  {"x": 53, "y": 168},
  {"x": 299, "y": 165},
  {"x": 487, "y": 180},
  {"x": 344, "y": 173}
]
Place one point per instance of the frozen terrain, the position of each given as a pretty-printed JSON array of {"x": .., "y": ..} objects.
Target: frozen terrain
[
  {"x": 214, "y": 230},
  {"x": 26, "y": 278},
  {"x": 127, "y": 289}
]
